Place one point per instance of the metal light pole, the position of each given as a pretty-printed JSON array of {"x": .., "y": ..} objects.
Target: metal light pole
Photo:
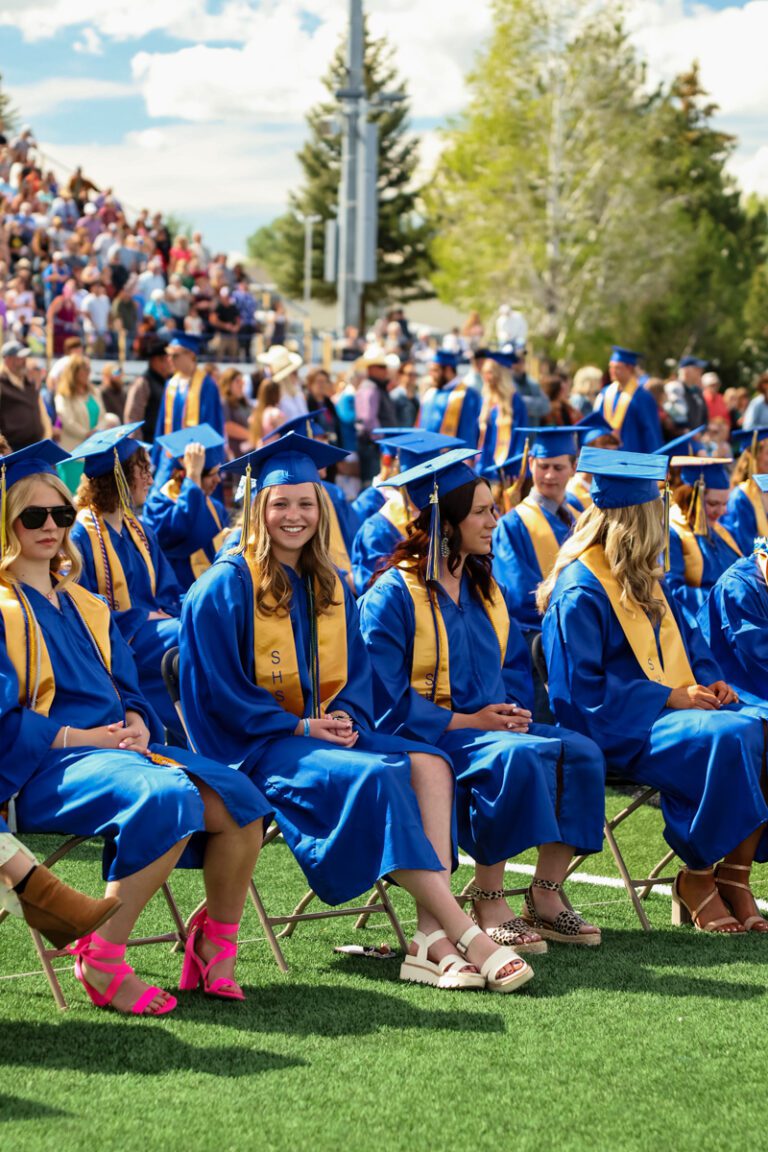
[
  {"x": 308, "y": 222},
  {"x": 349, "y": 98}
]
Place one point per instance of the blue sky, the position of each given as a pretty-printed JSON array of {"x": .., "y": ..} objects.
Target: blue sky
[{"x": 196, "y": 106}]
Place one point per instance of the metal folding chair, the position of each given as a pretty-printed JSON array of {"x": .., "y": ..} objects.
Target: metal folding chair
[
  {"x": 644, "y": 795},
  {"x": 378, "y": 901}
]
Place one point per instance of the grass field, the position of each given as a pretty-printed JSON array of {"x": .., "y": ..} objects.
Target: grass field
[{"x": 650, "y": 1042}]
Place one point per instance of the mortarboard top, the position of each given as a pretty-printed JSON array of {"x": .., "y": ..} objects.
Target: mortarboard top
[
  {"x": 623, "y": 479},
  {"x": 306, "y": 425},
  {"x": 186, "y": 340},
  {"x": 510, "y": 466},
  {"x": 418, "y": 445},
  {"x": 592, "y": 426},
  {"x": 293, "y": 459},
  {"x": 448, "y": 472},
  {"x": 624, "y": 356},
  {"x": 98, "y": 451},
  {"x": 712, "y": 470},
  {"x": 692, "y": 362},
  {"x": 35, "y": 458},
  {"x": 744, "y": 438},
  {"x": 762, "y": 481},
  {"x": 445, "y": 358},
  {"x": 382, "y": 433},
  {"x": 176, "y": 443},
  {"x": 681, "y": 445},
  {"x": 507, "y": 358},
  {"x": 555, "y": 441}
]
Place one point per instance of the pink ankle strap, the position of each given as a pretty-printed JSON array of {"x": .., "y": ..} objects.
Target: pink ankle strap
[
  {"x": 97, "y": 948},
  {"x": 213, "y": 928}
]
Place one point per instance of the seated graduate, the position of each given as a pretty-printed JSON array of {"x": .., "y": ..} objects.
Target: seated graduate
[
  {"x": 381, "y": 532},
  {"x": 600, "y": 435},
  {"x": 78, "y": 757},
  {"x": 122, "y": 560},
  {"x": 627, "y": 668},
  {"x": 450, "y": 406},
  {"x": 31, "y": 891},
  {"x": 450, "y": 666},
  {"x": 746, "y": 517},
  {"x": 700, "y": 548},
  {"x": 734, "y": 619},
  {"x": 276, "y": 678},
  {"x": 503, "y": 409},
  {"x": 190, "y": 524}
]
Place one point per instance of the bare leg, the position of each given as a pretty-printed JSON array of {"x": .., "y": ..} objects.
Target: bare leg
[
  {"x": 491, "y": 913},
  {"x": 15, "y": 869},
  {"x": 552, "y": 865},
  {"x": 735, "y": 868}
]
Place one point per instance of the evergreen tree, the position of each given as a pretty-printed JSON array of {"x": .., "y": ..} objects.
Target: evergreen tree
[
  {"x": 9, "y": 117},
  {"x": 403, "y": 263}
]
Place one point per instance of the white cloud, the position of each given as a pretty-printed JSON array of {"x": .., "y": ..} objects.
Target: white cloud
[
  {"x": 47, "y": 95},
  {"x": 751, "y": 170},
  {"x": 89, "y": 44}
]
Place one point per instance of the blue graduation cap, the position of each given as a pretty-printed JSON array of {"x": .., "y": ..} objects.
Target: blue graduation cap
[
  {"x": 623, "y": 479},
  {"x": 293, "y": 459},
  {"x": 186, "y": 340},
  {"x": 555, "y": 441},
  {"x": 176, "y": 443},
  {"x": 692, "y": 362},
  {"x": 506, "y": 357},
  {"x": 624, "y": 356},
  {"x": 445, "y": 358},
  {"x": 761, "y": 479},
  {"x": 592, "y": 426},
  {"x": 99, "y": 450},
  {"x": 306, "y": 425},
  {"x": 681, "y": 445},
  {"x": 35, "y": 458},
  {"x": 712, "y": 472},
  {"x": 414, "y": 447},
  {"x": 745, "y": 438},
  {"x": 508, "y": 467},
  {"x": 382, "y": 433}
]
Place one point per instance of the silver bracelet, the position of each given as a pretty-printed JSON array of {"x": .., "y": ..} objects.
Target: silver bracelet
[
  {"x": 306, "y": 728},
  {"x": 66, "y": 737}
]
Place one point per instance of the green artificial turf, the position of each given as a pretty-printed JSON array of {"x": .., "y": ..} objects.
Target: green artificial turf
[{"x": 649, "y": 1042}]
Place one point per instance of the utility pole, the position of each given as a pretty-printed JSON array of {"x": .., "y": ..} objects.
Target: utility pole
[
  {"x": 350, "y": 98},
  {"x": 308, "y": 222}
]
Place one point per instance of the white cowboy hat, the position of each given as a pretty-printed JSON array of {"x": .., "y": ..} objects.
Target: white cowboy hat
[
  {"x": 280, "y": 362},
  {"x": 374, "y": 356}
]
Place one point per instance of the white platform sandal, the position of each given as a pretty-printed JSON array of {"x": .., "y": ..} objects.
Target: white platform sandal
[
  {"x": 496, "y": 961},
  {"x": 446, "y": 973}
]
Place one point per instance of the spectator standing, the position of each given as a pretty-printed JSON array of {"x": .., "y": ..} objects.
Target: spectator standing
[
  {"x": 278, "y": 326},
  {"x": 585, "y": 389},
  {"x": 79, "y": 406},
  {"x": 690, "y": 371},
  {"x": 473, "y": 331},
  {"x": 95, "y": 310},
  {"x": 374, "y": 407},
  {"x": 224, "y": 318},
  {"x": 62, "y": 317},
  {"x": 511, "y": 327},
  {"x": 54, "y": 277},
  {"x": 124, "y": 317},
  {"x": 243, "y": 300},
  {"x": 283, "y": 368},
  {"x": 405, "y": 396},
  {"x": 145, "y": 394},
  {"x": 536, "y": 403},
  {"x": 113, "y": 392},
  {"x": 266, "y": 416},
  {"x": 713, "y": 398},
  {"x": 151, "y": 279},
  {"x": 236, "y": 411},
  {"x": 320, "y": 404},
  {"x": 23, "y": 416},
  {"x": 756, "y": 415}
]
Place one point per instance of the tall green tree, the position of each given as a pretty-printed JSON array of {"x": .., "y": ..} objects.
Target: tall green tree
[
  {"x": 404, "y": 263},
  {"x": 9, "y": 116},
  {"x": 544, "y": 193}
]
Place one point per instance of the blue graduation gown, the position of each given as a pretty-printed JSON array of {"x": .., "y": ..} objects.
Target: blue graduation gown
[
  {"x": 514, "y": 791},
  {"x": 349, "y": 816},
  {"x": 149, "y": 639},
  {"x": 516, "y": 568},
  {"x": 141, "y": 809},
  {"x": 641, "y": 429},
  {"x": 211, "y": 412},
  {"x": 348, "y": 521},
  {"x": 734, "y": 622},
  {"x": 519, "y": 420},
  {"x": 433, "y": 410},
  {"x": 740, "y": 520},
  {"x": 375, "y": 540},
  {"x": 707, "y": 765},
  {"x": 717, "y": 556},
  {"x": 183, "y": 527},
  {"x": 369, "y": 501}
]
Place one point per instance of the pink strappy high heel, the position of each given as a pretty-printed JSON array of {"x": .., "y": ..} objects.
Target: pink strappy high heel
[
  {"x": 196, "y": 972},
  {"x": 95, "y": 950}
]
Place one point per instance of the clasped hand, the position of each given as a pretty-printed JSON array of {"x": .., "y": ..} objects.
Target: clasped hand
[
  {"x": 707, "y": 698},
  {"x": 130, "y": 734},
  {"x": 336, "y": 729}
]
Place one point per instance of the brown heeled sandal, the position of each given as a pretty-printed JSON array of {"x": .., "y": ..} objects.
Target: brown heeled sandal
[
  {"x": 683, "y": 914},
  {"x": 749, "y": 925},
  {"x": 516, "y": 932}
]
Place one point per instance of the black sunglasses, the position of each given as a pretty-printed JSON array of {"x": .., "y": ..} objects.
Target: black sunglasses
[{"x": 63, "y": 516}]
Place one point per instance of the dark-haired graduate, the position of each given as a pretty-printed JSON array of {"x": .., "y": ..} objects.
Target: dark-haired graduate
[
  {"x": 450, "y": 666},
  {"x": 628, "y": 669},
  {"x": 746, "y": 516},
  {"x": 190, "y": 524},
  {"x": 275, "y": 677},
  {"x": 122, "y": 560},
  {"x": 77, "y": 753}
]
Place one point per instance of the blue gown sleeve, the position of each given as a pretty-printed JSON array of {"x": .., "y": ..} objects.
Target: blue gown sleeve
[
  {"x": 734, "y": 621},
  {"x": 229, "y": 717},
  {"x": 739, "y": 519},
  {"x": 515, "y": 567},
  {"x": 674, "y": 580},
  {"x": 126, "y": 678},
  {"x": 181, "y": 526},
  {"x": 356, "y": 697},
  {"x": 517, "y": 671},
  {"x": 25, "y": 736},
  {"x": 703, "y": 664},
  {"x": 167, "y": 591},
  {"x": 388, "y": 627},
  {"x": 374, "y": 540},
  {"x": 128, "y": 621},
  {"x": 469, "y": 421}
]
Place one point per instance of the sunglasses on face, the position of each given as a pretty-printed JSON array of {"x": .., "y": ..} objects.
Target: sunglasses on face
[{"x": 63, "y": 516}]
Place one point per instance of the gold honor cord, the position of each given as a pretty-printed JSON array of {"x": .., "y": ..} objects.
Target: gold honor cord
[
  {"x": 245, "y": 527},
  {"x": 434, "y": 567},
  {"x": 3, "y": 529},
  {"x": 667, "y": 556}
]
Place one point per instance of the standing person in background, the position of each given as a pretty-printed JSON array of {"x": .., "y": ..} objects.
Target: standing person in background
[
  {"x": 585, "y": 389},
  {"x": 690, "y": 372},
  {"x": 320, "y": 404},
  {"x": 449, "y": 406},
  {"x": 236, "y": 411},
  {"x": 473, "y": 330},
  {"x": 555, "y": 388},
  {"x": 283, "y": 367},
  {"x": 535, "y": 400},
  {"x": 113, "y": 392},
  {"x": 24, "y": 419},
  {"x": 145, "y": 394},
  {"x": 278, "y": 329},
  {"x": 224, "y": 318},
  {"x": 79, "y": 407},
  {"x": 374, "y": 407},
  {"x": 756, "y": 414},
  {"x": 191, "y": 395},
  {"x": 405, "y": 395},
  {"x": 266, "y": 415},
  {"x": 713, "y": 398},
  {"x": 630, "y": 410}
]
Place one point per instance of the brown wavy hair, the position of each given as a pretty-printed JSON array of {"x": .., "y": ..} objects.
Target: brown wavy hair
[
  {"x": 411, "y": 553},
  {"x": 273, "y": 590},
  {"x": 100, "y": 492}
]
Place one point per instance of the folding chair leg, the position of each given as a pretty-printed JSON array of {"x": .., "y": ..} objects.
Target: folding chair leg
[
  {"x": 656, "y": 872},
  {"x": 381, "y": 888},
  {"x": 364, "y": 917},
  {"x": 631, "y": 890},
  {"x": 44, "y": 953},
  {"x": 301, "y": 907},
  {"x": 173, "y": 908},
  {"x": 266, "y": 924}
]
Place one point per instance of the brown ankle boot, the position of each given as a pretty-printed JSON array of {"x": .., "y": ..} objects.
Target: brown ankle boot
[{"x": 62, "y": 913}]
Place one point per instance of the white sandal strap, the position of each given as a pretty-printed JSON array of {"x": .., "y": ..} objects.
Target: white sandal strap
[
  {"x": 498, "y": 960},
  {"x": 424, "y": 943},
  {"x": 452, "y": 961},
  {"x": 463, "y": 943}
]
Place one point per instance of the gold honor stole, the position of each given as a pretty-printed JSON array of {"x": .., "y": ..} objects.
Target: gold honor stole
[
  {"x": 190, "y": 416},
  {"x": 110, "y": 577},
  {"x": 397, "y": 513},
  {"x": 337, "y": 549},
  {"x": 542, "y": 535},
  {"x": 616, "y": 402},
  {"x": 693, "y": 560},
  {"x": 755, "y": 497},
  {"x": 450, "y": 422},
  {"x": 430, "y": 667},
  {"x": 638, "y": 630},
  {"x": 199, "y": 562},
  {"x": 504, "y": 426},
  {"x": 581, "y": 491},
  {"x": 26, "y": 646},
  {"x": 274, "y": 652}
]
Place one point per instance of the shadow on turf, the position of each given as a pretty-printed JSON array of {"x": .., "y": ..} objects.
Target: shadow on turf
[
  {"x": 14, "y": 1108},
  {"x": 147, "y": 1050}
]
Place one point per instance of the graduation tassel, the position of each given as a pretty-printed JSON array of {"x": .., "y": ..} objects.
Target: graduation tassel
[
  {"x": 752, "y": 465},
  {"x": 245, "y": 527},
  {"x": 434, "y": 567},
  {"x": 3, "y": 533},
  {"x": 513, "y": 493},
  {"x": 667, "y": 560},
  {"x": 123, "y": 491},
  {"x": 700, "y": 524}
]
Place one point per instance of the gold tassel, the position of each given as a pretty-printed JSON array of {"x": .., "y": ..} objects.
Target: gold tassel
[
  {"x": 667, "y": 560},
  {"x": 524, "y": 463},
  {"x": 700, "y": 524},
  {"x": 123, "y": 491},
  {"x": 3, "y": 529},
  {"x": 245, "y": 527},
  {"x": 433, "y": 553},
  {"x": 752, "y": 463}
]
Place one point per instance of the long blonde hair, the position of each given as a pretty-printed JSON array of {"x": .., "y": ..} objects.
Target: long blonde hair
[
  {"x": 16, "y": 501},
  {"x": 273, "y": 591},
  {"x": 497, "y": 394},
  {"x": 67, "y": 383},
  {"x": 632, "y": 539}
]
